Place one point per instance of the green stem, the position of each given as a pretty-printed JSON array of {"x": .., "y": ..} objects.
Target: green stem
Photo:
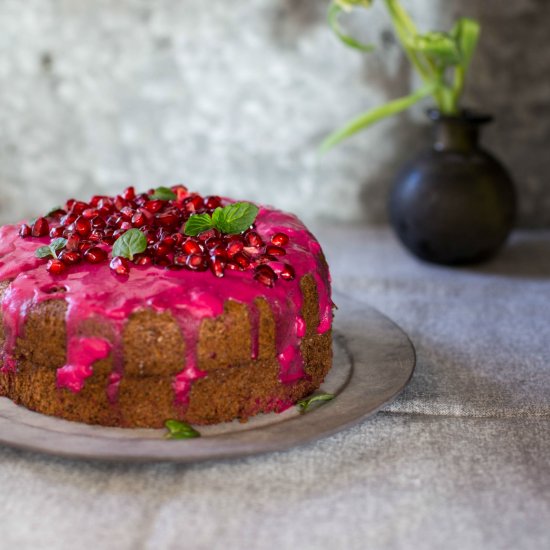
[{"x": 374, "y": 115}]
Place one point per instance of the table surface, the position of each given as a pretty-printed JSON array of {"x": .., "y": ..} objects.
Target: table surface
[{"x": 461, "y": 460}]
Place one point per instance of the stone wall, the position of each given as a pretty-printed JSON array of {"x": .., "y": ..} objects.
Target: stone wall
[{"x": 234, "y": 98}]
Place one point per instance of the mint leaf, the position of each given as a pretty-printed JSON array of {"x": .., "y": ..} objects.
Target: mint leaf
[
  {"x": 180, "y": 430},
  {"x": 52, "y": 249},
  {"x": 58, "y": 244},
  {"x": 43, "y": 252},
  {"x": 130, "y": 243},
  {"x": 163, "y": 194},
  {"x": 198, "y": 223},
  {"x": 305, "y": 404},
  {"x": 235, "y": 218}
]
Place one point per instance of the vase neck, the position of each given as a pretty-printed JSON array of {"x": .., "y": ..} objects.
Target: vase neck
[{"x": 459, "y": 133}]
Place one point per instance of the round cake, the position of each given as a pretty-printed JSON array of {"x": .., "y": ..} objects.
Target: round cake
[{"x": 135, "y": 309}]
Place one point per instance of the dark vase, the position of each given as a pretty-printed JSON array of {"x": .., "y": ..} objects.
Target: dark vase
[{"x": 454, "y": 204}]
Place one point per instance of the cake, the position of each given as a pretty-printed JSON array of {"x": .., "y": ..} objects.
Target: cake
[{"x": 134, "y": 309}]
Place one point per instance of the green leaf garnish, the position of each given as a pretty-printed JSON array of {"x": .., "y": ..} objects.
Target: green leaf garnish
[
  {"x": 163, "y": 194},
  {"x": 180, "y": 430},
  {"x": 130, "y": 243},
  {"x": 198, "y": 223},
  {"x": 305, "y": 404},
  {"x": 52, "y": 249},
  {"x": 235, "y": 218},
  {"x": 231, "y": 219}
]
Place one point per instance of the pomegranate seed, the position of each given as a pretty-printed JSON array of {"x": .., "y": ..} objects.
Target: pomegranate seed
[
  {"x": 193, "y": 203},
  {"x": 191, "y": 246},
  {"x": 69, "y": 257},
  {"x": 56, "y": 232},
  {"x": 242, "y": 260},
  {"x": 219, "y": 252},
  {"x": 234, "y": 247},
  {"x": 94, "y": 201},
  {"x": 253, "y": 239},
  {"x": 180, "y": 259},
  {"x": 143, "y": 260},
  {"x": 121, "y": 266},
  {"x": 209, "y": 234},
  {"x": 280, "y": 239},
  {"x": 163, "y": 261},
  {"x": 178, "y": 239},
  {"x": 274, "y": 250},
  {"x": 232, "y": 266},
  {"x": 83, "y": 226},
  {"x": 154, "y": 205},
  {"x": 40, "y": 228},
  {"x": 181, "y": 192},
  {"x": 95, "y": 236},
  {"x": 95, "y": 255},
  {"x": 83, "y": 247},
  {"x": 90, "y": 213},
  {"x": 150, "y": 236},
  {"x": 114, "y": 220},
  {"x": 56, "y": 213},
  {"x": 68, "y": 219},
  {"x": 120, "y": 203},
  {"x": 212, "y": 242},
  {"x": 167, "y": 219},
  {"x": 98, "y": 223},
  {"x": 127, "y": 213},
  {"x": 56, "y": 267},
  {"x": 196, "y": 262},
  {"x": 217, "y": 266},
  {"x": 212, "y": 202},
  {"x": 265, "y": 275},
  {"x": 69, "y": 204},
  {"x": 78, "y": 207},
  {"x": 288, "y": 273},
  {"x": 129, "y": 193},
  {"x": 25, "y": 231},
  {"x": 73, "y": 242},
  {"x": 124, "y": 226},
  {"x": 161, "y": 249},
  {"x": 138, "y": 219},
  {"x": 169, "y": 241}
]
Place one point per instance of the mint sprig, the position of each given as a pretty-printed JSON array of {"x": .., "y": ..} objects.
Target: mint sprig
[
  {"x": 180, "y": 430},
  {"x": 305, "y": 404},
  {"x": 231, "y": 219},
  {"x": 130, "y": 243},
  {"x": 163, "y": 194},
  {"x": 52, "y": 249}
]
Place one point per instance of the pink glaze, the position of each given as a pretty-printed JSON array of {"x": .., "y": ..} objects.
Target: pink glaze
[
  {"x": 82, "y": 353},
  {"x": 94, "y": 292}
]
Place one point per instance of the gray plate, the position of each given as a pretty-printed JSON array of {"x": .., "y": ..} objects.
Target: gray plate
[{"x": 373, "y": 362}]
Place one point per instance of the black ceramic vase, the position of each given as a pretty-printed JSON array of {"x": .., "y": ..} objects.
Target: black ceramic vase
[{"x": 454, "y": 204}]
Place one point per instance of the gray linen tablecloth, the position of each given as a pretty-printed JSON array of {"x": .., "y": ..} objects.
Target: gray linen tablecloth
[{"x": 460, "y": 461}]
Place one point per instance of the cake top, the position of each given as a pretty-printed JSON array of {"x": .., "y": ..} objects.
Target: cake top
[{"x": 166, "y": 250}]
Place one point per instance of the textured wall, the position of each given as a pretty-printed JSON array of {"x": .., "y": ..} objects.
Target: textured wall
[{"x": 234, "y": 97}]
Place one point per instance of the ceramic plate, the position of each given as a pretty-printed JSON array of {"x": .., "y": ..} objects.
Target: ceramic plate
[{"x": 373, "y": 362}]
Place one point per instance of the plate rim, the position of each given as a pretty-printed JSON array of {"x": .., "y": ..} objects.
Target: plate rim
[{"x": 310, "y": 427}]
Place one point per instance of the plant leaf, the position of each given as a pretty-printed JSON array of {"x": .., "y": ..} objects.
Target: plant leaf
[
  {"x": 163, "y": 194},
  {"x": 43, "y": 252},
  {"x": 466, "y": 33},
  {"x": 235, "y": 218},
  {"x": 440, "y": 47},
  {"x": 335, "y": 9},
  {"x": 305, "y": 404},
  {"x": 130, "y": 243},
  {"x": 197, "y": 223},
  {"x": 374, "y": 115},
  {"x": 180, "y": 430}
]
